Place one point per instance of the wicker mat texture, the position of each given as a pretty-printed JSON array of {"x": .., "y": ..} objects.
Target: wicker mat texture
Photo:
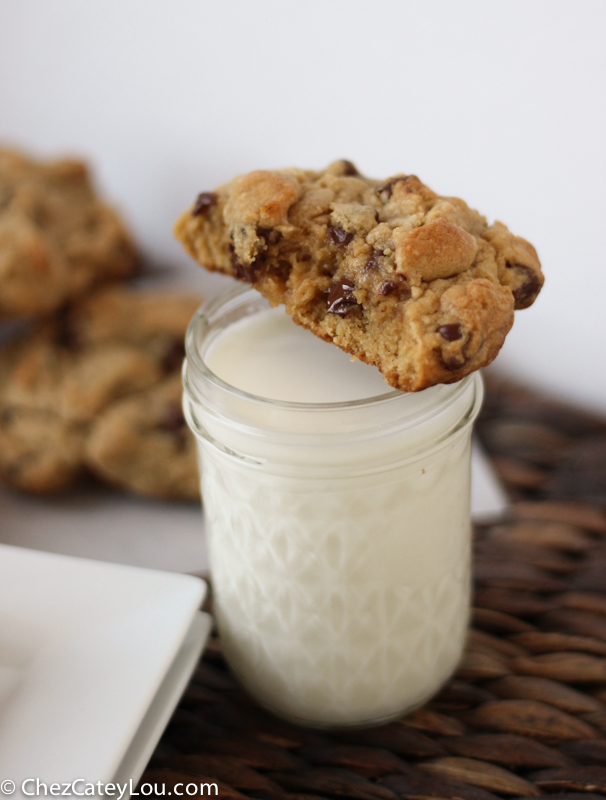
[{"x": 525, "y": 715}]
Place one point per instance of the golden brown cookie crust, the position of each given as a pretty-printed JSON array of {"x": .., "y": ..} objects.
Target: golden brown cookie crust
[
  {"x": 57, "y": 238},
  {"x": 413, "y": 282}
]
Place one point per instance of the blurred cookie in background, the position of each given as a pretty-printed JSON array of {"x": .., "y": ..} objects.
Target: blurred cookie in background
[
  {"x": 143, "y": 444},
  {"x": 60, "y": 378},
  {"x": 57, "y": 238},
  {"x": 39, "y": 451}
]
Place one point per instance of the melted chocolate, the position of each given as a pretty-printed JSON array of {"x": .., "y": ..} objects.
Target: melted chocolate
[
  {"x": 265, "y": 233},
  {"x": 283, "y": 269},
  {"x": 339, "y": 236},
  {"x": 243, "y": 272},
  {"x": 341, "y": 297}
]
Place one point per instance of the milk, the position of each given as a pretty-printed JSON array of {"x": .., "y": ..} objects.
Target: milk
[
  {"x": 338, "y": 518},
  {"x": 269, "y": 356}
]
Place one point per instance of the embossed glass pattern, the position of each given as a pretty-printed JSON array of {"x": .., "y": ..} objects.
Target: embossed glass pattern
[{"x": 339, "y": 538}]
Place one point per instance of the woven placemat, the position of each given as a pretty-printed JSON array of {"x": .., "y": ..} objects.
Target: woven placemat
[{"x": 525, "y": 714}]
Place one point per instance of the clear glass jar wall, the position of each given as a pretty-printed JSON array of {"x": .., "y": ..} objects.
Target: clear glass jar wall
[{"x": 339, "y": 537}]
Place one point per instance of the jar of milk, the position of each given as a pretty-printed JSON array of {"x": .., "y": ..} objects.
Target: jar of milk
[{"x": 338, "y": 517}]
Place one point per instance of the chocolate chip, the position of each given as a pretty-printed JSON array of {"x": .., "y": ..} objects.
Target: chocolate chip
[
  {"x": 6, "y": 416},
  {"x": 386, "y": 288},
  {"x": 526, "y": 293},
  {"x": 66, "y": 335},
  {"x": 397, "y": 284},
  {"x": 173, "y": 423},
  {"x": 282, "y": 269},
  {"x": 373, "y": 261},
  {"x": 266, "y": 236},
  {"x": 454, "y": 362},
  {"x": 265, "y": 233},
  {"x": 404, "y": 292},
  {"x": 340, "y": 237},
  {"x": 327, "y": 269},
  {"x": 349, "y": 168},
  {"x": 387, "y": 187},
  {"x": 173, "y": 357},
  {"x": 341, "y": 297},
  {"x": 203, "y": 202},
  {"x": 173, "y": 420},
  {"x": 246, "y": 273},
  {"x": 243, "y": 272},
  {"x": 451, "y": 332}
]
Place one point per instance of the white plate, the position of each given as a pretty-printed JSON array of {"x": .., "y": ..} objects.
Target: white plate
[
  {"x": 84, "y": 648},
  {"x": 159, "y": 713}
]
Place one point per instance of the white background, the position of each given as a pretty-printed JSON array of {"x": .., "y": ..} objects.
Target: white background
[{"x": 501, "y": 103}]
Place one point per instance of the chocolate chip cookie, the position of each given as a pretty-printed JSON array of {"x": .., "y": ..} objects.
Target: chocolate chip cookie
[
  {"x": 143, "y": 444},
  {"x": 56, "y": 381},
  {"x": 413, "y": 282},
  {"x": 56, "y": 237}
]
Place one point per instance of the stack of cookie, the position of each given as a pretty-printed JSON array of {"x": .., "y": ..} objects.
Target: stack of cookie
[{"x": 94, "y": 383}]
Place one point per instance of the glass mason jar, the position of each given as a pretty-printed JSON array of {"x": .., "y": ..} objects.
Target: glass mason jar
[{"x": 339, "y": 537}]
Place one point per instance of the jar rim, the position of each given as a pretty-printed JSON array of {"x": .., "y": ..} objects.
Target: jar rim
[{"x": 211, "y": 311}]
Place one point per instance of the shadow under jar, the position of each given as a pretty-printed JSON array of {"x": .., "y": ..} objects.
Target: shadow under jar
[{"x": 339, "y": 534}]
